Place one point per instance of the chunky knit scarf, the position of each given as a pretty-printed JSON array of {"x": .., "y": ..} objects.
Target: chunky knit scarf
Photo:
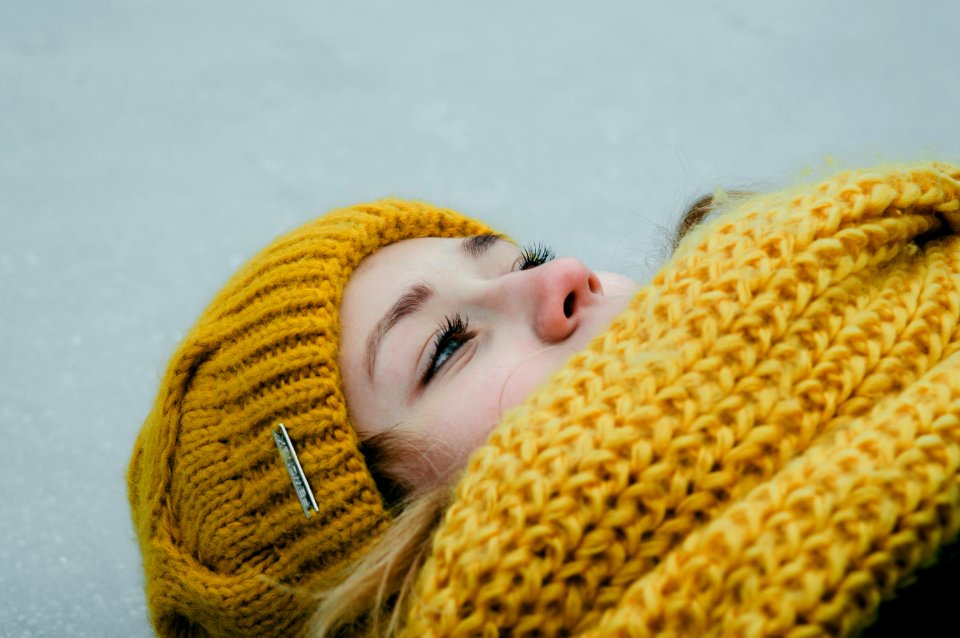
[{"x": 766, "y": 443}]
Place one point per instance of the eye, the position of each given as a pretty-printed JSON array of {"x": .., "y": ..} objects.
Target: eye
[
  {"x": 533, "y": 255},
  {"x": 452, "y": 333}
]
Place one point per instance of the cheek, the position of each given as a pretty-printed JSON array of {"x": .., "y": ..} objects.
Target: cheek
[
  {"x": 529, "y": 373},
  {"x": 465, "y": 419},
  {"x": 456, "y": 425},
  {"x": 450, "y": 427},
  {"x": 616, "y": 284}
]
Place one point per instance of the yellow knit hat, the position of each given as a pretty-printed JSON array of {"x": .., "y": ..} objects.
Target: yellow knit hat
[{"x": 225, "y": 543}]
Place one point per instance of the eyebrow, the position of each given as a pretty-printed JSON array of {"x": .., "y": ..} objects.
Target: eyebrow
[
  {"x": 408, "y": 303},
  {"x": 474, "y": 247},
  {"x": 414, "y": 298}
]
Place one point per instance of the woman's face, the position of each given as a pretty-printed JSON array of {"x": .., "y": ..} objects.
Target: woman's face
[{"x": 440, "y": 336}]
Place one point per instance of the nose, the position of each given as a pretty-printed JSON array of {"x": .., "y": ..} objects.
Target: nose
[{"x": 560, "y": 290}]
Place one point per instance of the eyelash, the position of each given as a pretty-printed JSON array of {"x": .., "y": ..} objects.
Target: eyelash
[
  {"x": 533, "y": 255},
  {"x": 456, "y": 329},
  {"x": 453, "y": 330}
]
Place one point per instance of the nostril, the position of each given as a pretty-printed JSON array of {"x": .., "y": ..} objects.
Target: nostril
[
  {"x": 568, "y": 306},
  {"x": 594, "y": 283}
]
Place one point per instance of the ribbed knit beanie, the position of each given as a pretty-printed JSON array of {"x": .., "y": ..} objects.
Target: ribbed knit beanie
[{"x": 226, "y": 547}]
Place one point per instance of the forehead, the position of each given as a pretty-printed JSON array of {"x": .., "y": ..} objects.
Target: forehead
[
  {"x": 396, "y": 264},
  {"x": 407, "y": 250},
  {"x": 384, "y": 275}
]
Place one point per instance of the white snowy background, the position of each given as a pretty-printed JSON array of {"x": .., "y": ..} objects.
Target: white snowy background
[{"x": 147, "y": 148}]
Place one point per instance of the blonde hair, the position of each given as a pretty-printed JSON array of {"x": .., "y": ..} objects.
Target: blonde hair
[{"x": 372, "y": 597}]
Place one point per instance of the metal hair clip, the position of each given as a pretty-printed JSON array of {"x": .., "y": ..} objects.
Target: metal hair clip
[{"x": 297, "y": 477}]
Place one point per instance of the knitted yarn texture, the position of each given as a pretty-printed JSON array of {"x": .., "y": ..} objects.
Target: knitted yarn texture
[
  {"x": 766, "y": 443},
  {"x": 227, "y": 550}
]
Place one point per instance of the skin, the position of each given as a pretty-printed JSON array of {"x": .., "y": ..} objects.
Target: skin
[{"x": 521, "y": 325}]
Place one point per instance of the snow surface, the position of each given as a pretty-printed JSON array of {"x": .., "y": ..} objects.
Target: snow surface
[{"x": 147, "y": 148}]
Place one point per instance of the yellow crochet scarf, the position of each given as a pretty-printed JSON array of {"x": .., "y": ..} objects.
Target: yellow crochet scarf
[{"x": 766, "y": 443}]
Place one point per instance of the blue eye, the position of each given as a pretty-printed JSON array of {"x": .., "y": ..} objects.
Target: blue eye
[
  {"x": 446, "y": 352},
  {"x": 452, "y": 334},
  {"x": 533, "y": 255}
]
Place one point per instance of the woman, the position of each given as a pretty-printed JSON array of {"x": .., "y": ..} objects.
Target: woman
[
  {"x": 364, "y": 307},
  {"x": 743, "y": 450}
]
